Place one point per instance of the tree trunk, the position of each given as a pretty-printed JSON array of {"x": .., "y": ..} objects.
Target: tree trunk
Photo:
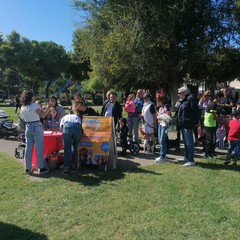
[
  {"x": 173, "y": 85},
  {"x": 47, "y": 89},
  {"x": 107, "y": 87}
]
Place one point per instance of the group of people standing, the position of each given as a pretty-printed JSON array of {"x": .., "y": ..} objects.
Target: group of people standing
[
  {"x": 204, "y": 113},
  {"x": 52, "y": 117},
  {"x": 209, "y": 115},
  {"x": 218, "y": 113},
  {"x": 199, "y": 118}
]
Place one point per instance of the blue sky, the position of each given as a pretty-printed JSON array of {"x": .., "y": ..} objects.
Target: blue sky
[{"x": 41, "y": 20}]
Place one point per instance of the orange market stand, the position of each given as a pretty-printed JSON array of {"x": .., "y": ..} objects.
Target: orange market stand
[{"x": 98, "y": 143}]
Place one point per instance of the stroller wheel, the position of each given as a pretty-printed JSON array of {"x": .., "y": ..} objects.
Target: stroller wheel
[
  {"x": 134, "y": 148},
  {"x": 17, "y": 154}
]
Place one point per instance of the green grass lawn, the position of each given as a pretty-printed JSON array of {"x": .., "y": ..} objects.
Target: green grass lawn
[{"x": 165, "y": 201}]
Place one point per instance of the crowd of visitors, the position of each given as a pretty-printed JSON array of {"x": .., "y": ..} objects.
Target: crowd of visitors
[
  {"x": 211, "y": 119},
  {"x": 199, "y": 119}
]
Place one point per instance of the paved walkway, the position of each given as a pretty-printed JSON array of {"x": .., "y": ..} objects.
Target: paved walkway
[{"x": 128, "y": 161}]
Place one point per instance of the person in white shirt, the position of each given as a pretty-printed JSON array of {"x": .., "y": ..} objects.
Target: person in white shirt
[
  {"x": 31, "y": 113},
  {"x": 149, "y": 118},
  {"x": 71, "y": 126}
]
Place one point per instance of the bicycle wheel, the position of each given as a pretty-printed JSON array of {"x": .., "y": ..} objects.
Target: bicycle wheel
[{"x": 134, "y": 148}]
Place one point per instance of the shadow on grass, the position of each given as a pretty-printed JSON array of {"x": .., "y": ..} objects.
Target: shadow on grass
[
  {"x": 9, "y": 231},
  {"x": 218, "y": 162},
  {"x": 97, "y": 178},
  {"x": 217, "y": 166},
  {"x": 90, "y": 175}
]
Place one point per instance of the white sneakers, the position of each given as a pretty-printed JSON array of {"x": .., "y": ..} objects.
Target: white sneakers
[
  {"x": 182, "y": 160},
  {"x": 159, "y": 160},
  {"x": 186, "y": 162},
  {"x": 189, "y": 164}
]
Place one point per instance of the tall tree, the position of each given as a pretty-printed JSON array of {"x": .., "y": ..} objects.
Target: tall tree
[
  {"x": 31, "y": 62},
  {"x": 50, "y": 60},
  {"x": 155, "y": 42},
  {"x": 16, "y": 60}
]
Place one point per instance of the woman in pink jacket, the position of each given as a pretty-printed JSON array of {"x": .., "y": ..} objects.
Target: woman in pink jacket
[{"x": 130, "y": 105}]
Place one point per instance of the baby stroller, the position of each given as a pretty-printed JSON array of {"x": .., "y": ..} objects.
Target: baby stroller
[
  {"x": 7, "y": 127},
  {"x": 20, "y": 149}
]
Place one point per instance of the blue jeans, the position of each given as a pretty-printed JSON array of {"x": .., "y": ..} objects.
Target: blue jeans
[
  {"x": 187, "y": 135},
  {"x": 133, "y": 123},
  {"x": 162, "y": 136},
  {"x": 34, "y": 135},
  {"x": 234, "y": 145},
  {"x": 71, "y": 137}
]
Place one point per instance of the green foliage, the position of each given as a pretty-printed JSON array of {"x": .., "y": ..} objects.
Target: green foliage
[
  {"x": 225, "y": 65},
  {"x": 154, "y": 43},
  {"x": 26, "y": 63}
]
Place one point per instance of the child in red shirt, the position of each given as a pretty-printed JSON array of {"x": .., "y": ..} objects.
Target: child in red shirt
[{"x": 234, "y": 137}]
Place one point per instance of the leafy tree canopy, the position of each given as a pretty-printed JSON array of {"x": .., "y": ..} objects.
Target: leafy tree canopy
[
  {"x": 30, "y": 63},
  {"x": 157, "y": 43}
]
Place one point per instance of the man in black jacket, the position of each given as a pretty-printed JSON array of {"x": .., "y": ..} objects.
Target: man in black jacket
[
  {"x": 112, "y": 108},
  {"x": 188, "y": 117}
]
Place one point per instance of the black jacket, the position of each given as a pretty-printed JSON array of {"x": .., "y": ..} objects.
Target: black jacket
[
  {"x": 116, "y": 111},
  {"x": 188, "y": 113}
]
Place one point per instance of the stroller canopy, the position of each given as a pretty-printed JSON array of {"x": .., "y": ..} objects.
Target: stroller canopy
[{"x": 3, "y": 114}]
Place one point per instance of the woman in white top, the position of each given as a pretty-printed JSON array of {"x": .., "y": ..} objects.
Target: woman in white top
[
  {"x": 31, "y": 114},
  {"x": 72, "y": 132},
  {"x": 149, "y": 118}
]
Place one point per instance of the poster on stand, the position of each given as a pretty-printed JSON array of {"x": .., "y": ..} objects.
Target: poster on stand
[{"x": 98, "y": 143}]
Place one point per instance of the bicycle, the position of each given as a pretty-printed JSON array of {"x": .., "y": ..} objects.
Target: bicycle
[{"x": 131, "y": 145}]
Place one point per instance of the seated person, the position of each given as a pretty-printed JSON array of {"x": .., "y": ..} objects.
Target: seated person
[
  {"x": 52, "y": 122},
  {"x": 60, "y": 110}
]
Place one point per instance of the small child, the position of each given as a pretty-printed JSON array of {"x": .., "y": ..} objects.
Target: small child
[
  {"x": 221, "y": 134},
  {"x": 234, "y": 137},
  {"x": 123, "y": 129},
  {"x": 129, "y": 106}
]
